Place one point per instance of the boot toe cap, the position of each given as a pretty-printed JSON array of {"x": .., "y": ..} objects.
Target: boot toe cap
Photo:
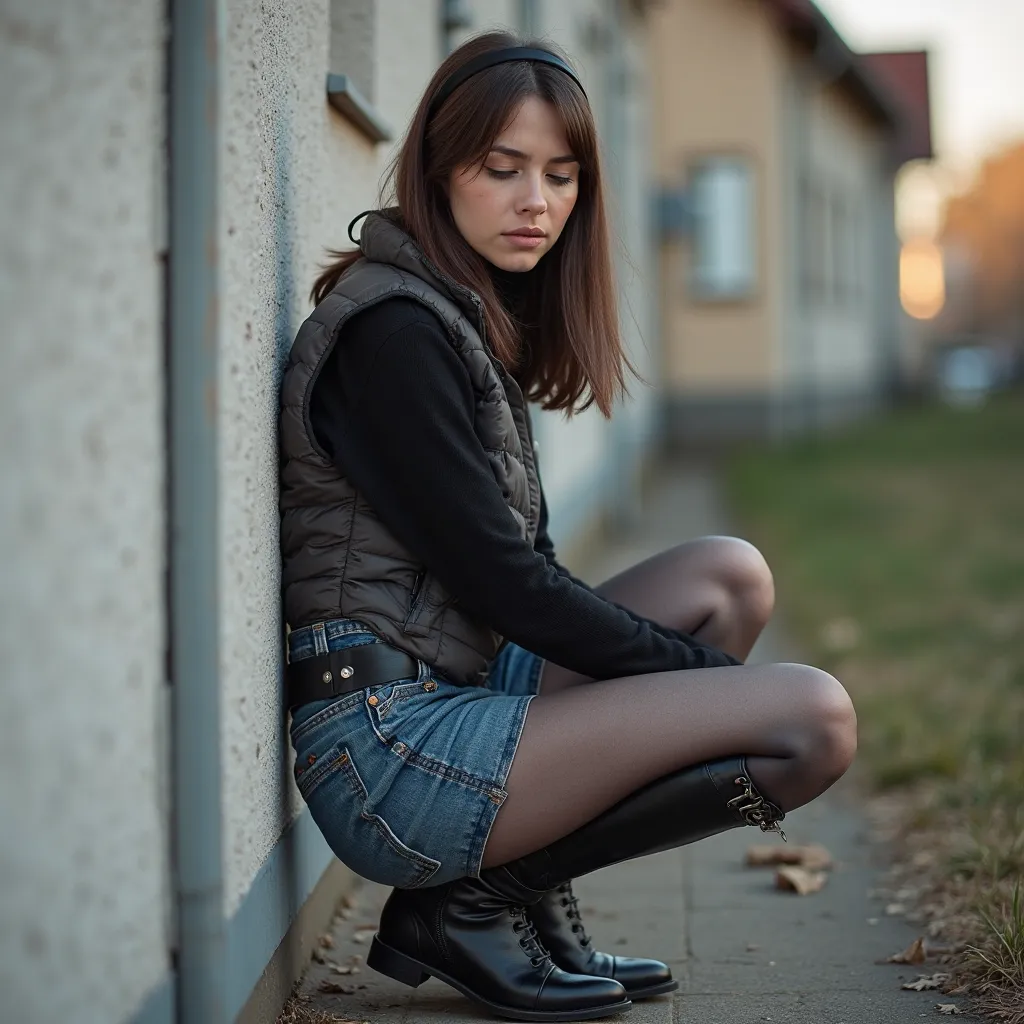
[
  {"x": 564, "y": 991},
  {"x": 642, "y": 977}
]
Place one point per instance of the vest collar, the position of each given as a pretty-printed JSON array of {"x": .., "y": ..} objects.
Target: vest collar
[{"x": 383, "y": 240}]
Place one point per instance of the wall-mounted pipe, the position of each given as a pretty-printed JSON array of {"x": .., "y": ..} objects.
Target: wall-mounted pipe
[{"x": 194, "y": 87}]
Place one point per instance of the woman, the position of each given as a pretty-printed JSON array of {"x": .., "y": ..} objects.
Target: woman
[{"x": 428, "y": 612}]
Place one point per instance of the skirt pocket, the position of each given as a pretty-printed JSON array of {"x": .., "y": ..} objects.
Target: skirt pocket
[{"x": 360, "y": 838}]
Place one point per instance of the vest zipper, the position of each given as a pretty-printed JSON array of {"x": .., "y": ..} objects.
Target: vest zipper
[{"x": 414, "y": 598}]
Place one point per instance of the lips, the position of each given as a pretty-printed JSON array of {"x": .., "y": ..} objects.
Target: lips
[{"x": 527, "y": 232}]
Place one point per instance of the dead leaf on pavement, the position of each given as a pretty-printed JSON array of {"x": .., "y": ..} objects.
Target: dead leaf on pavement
[
  {"x": 335, "y": 987},
  {"x": 347, "y": 969},
  {"x": 812, "y": 856},
  {"x": 363, "y": 936},
  {"x": 913, "y": 954},
  {"x": 948, "y": 1008},
  {"x": 327, "y": 941},
  {"x": 799, "y": 880},
  {"x": 924, "y": 982}
]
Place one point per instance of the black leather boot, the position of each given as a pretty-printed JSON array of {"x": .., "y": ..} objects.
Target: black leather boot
[
  {"x": 556, "y": 917},
  {"x": 675, "y": 810},
  {"x": 474, "y": 934}
]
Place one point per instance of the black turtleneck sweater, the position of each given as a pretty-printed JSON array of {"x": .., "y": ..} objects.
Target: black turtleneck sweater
[{"x": 394, "y": 407}]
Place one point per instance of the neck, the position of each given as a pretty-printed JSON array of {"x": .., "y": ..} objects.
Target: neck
[{"x": 513, "y": 287}]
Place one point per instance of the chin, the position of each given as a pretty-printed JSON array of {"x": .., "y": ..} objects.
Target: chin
[{"x": 516, "y": 262}]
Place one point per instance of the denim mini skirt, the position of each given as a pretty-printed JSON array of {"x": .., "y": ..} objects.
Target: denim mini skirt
[{"x": 405, "y": 780}]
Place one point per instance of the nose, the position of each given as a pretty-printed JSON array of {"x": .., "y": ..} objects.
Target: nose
[{"x": 531, "y": 200}]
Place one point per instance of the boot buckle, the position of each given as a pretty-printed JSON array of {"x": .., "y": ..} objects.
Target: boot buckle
[{"x": 754, "y": 809}]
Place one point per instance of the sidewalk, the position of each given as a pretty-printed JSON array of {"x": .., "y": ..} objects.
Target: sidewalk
[{"x": 742, "y": 951}]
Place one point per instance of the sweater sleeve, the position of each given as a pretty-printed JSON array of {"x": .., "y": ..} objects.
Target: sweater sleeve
[
  {"x": 545, "y": 546},
  {"x": 396, "y": 409}
]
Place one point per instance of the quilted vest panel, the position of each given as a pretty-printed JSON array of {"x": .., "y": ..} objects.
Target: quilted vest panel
[{"x": 339, "y": 559}]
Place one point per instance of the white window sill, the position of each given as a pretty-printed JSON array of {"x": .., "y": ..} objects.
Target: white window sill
[{"x": 351, "y": 104}]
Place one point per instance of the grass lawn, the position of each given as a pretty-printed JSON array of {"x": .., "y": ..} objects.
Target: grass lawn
[{"x": 898, "y": 552}]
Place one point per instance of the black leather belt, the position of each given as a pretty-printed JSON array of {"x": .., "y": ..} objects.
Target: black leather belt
[{"x": 339, "y": 672}]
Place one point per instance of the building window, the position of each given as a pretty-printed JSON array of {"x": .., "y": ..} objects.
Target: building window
[
  {"x": 724, "y": 231},
  {"x": 350, "y": 72}
]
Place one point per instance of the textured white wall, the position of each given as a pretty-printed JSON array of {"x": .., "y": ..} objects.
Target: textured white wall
[
  {"x": 294, "y": 174},
  {"x": 83, "y": 846},
  {"x": 488, "y": 15}
]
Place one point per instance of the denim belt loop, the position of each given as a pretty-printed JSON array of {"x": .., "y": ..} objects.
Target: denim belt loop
[{"x": 320, "y": 638}]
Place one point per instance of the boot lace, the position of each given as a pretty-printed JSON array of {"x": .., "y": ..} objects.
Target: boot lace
[
  {"x": 568, "y": 899},
  {"x": 529, "y": 940}
]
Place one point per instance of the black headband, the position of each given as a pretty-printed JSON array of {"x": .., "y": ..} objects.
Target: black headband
[{"x": 488, "y": 60}]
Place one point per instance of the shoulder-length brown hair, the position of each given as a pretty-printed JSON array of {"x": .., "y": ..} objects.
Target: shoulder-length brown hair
[{"x": 568, "y": 353}]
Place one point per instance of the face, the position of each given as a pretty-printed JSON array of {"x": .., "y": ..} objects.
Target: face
[{"x": 528, "y": 183}]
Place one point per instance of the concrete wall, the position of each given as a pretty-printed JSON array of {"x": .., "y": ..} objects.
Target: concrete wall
[
  {"x": 84, "y": 881},
  {"x": 295, "y": 173},
  {"x": 87, "y": 901}
]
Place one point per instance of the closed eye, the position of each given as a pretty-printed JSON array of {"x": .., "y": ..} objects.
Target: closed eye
[{"x": 558, "y": 179}]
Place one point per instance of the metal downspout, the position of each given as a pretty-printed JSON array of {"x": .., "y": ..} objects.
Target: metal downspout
[{"x": 195, "y": 48}]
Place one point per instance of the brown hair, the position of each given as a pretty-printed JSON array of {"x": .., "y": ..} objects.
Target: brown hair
[{"x": 569, "y": 354}]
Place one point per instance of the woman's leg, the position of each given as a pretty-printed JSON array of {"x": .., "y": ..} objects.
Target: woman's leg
[
  {"x": 585, "y": 747},
  {"x": 718, "y": 589}
]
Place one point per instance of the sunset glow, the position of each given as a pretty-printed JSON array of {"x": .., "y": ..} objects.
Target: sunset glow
[{"x": 922, "y": 283}]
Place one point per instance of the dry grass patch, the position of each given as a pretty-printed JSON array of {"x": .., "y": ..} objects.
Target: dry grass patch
[
  {"x": 898, "y": 550},
  {"x": 298, "y": 1011}
]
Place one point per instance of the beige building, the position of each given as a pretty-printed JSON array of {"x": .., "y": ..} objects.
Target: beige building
[{"x": 776, "y": 149}]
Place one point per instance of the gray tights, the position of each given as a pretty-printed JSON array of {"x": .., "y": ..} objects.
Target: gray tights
[{"x": 586, "y": 745}]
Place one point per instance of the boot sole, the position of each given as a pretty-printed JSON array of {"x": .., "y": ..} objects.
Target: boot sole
[
  {"x": 653, "y": 990},
  {"x": 385, "y": 960}
]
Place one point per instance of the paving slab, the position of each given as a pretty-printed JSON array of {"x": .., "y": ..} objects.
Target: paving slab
[{"x": 742, "y": 951}]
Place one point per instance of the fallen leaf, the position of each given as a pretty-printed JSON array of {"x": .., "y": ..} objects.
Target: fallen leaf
[
  {"x": 347, "y": 969},
  {"x": 913, "y": 954},
  {"x": 816, "y": 857},
  {"x": 799, "y": 880},
  {"x": 893, "y": 909},
  {"x": 363, "y": 936},
  {"x": 321, "y": 957},
  {"x": 812, "y": 856},
  {"x": 335, "y": 987},
  {"x": 327, "y": 941},
  {"x": 948, "y": 1008},
  {"x": 924, "y": 983}
]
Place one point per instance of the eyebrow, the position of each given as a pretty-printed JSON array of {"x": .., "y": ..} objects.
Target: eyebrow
[{"x": 508, "y": 151}]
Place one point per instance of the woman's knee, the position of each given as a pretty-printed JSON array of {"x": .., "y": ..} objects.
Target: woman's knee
[
  {"x": 828, "y": 726},
  {"x": 744, "y": 578}
]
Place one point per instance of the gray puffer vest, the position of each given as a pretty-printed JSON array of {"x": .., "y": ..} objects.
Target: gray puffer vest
[{"x": 339, "y": 559}]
